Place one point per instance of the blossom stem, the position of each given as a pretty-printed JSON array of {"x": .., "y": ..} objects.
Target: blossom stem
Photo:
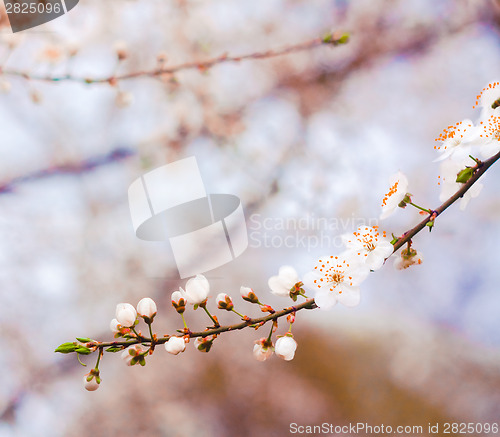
[
  {"x": 135, "y": 332},
  {"x": 477, "y": 161},
  {"x": 151, "y": 334},
  {"x": 239, "y": 314},
  {"x": 420, "y": 208},
  {"x": 270, "y": 334},
  {"x": 184, "y": 321},
  {"x": 216, "y": 324},
  {"x": 98, "y": 358}
]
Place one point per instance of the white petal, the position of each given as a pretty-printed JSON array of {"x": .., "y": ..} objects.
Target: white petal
[
  {"x": 350, "y": 296},
  {"x": 325, "y": 300},
  {"x": 276, "y": 285}
]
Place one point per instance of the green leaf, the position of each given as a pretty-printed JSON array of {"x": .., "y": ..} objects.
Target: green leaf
[
  {"x": 114, "y": 349},
  {"x": 83, "y": 339},
  {"x": 83, "y": 350},
  {"x": 66, "y": 348},
  {"x": 464, "y": 175}
]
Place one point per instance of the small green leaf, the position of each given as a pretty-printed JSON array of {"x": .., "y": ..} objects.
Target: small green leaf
[
  {"x": 465, "y": 174},
  {"x": 83, "y": 350},
  {"x": 114, "y": 349},
  {"x": 83, "y": 339},
  {"x": 66, "y": 348}
]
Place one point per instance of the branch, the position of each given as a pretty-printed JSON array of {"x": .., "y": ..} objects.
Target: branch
[
  {"x": 330, "y": 39},
  {"x": 480, "y": 170},
  {"x": 76, "y": 168},
  {"x": 308, "y": 305}
]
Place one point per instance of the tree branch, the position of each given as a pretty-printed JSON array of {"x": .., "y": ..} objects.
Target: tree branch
[
  {"x": 330, "y": 39},
  {"x": 480, "y": 170}
]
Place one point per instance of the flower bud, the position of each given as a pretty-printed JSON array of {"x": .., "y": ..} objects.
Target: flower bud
[
  {"x": 285, "y": 347},
  {"x": 126, "y": 314},
  {"x": 408, "y": 258},
  {"x": 175, "y": 345},
  {"x": 115, "y": 326},
  {"x": 224, "y": 302},
  {"x": 91, "y": 380},
  {"x": 248, "y": 295},
  {"x": 179, "y": 301},
  {"x": 133, "y": 355},
  {"x": 262, "y": 349},
  {"x": 146, "y": 308},
  {"x": 203, "y": 344},
  {"x": 197, "y": 290}
]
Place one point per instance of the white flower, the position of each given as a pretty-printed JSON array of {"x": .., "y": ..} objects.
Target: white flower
[
  {"x": 125, "y": 314},
  {"x": 286, "y": 279},
  {"x": 408, "y": 259},
  {"x": 487, "y": 98},
  {"x": 337, "y": 278},
  {"x": 262, "y": 349},
  {"x": 285, "y": 347},
  {"x": 132, "y": 355},
  {"x": 490, "y": 128},
  {"x": 115, "y": 326},
  {"x": 368, "y": 243},
  {"x": 397, "y": 192},
  {"x": 456, "y": 141},
  {"x": 197, "y": 290},
  {"x": 175, "y": 345},
  {"x": 90, "y": 382},
  {"x": 449, "y": 185},
  {"x": 146, "y": 308}
]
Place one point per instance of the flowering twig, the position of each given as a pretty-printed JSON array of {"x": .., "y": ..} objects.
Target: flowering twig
[
  {"x": 480, "y": 169},
  {"x": 333, "y": 39}
]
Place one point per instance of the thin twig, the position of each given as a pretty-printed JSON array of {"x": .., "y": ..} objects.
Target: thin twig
[{"x": 331, "y": 39}]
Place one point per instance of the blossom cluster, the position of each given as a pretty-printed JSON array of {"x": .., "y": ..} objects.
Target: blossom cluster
[
  {"x": 334, "y": 278},
  {"x": 461, "y": 144}
]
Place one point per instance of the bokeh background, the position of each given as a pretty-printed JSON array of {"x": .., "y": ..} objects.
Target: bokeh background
[{"x": 310, "y": 135}]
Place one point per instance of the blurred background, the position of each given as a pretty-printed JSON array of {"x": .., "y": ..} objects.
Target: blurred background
[{"x": 303, "y": 139}]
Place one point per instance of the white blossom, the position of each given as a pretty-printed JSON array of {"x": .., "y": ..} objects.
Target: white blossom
[
  {"x": 282, "y": 283},
  {"x": 487, "y": 98},
  {"x": 285, "y": 347},
  {"x": 457, "y": 140},
  {"x": 175, "y": 345},
  {"x": 125, "y": 314},
  {"x": 396, "y": 193},
  {"x": 197, "y": 290},
  {"x": 490, "y": 127},
  {"x": 370, "y": 245},
  {"x": 337, "y": 279},
  {"x": 262, "y": 349}
]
